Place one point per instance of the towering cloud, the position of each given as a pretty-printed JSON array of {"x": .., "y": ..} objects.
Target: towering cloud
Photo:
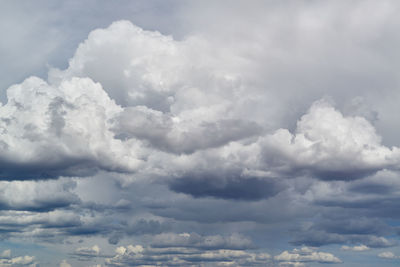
[{"x": 215, "y": 144}]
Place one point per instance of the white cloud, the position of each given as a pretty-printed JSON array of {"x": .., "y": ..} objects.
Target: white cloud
[
  {"x": 306, "y": 254},
  {"x": 329, "y": 145},
  {"x": 49, "y": 131},
  {"x": 388, "y": 255},
  {"x": 355, "y": 248},
  {"x": 143, "y": 103},
  {"x": 7, "y": 261},
  {"x": 64, "y": 263},
  {"x": 157, "y": 97}
]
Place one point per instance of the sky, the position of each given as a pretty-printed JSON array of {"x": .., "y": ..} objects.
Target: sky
[{"x": 199, "y": 133}]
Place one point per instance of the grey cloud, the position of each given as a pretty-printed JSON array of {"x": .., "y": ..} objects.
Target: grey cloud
[
  {"x": 227, "y": 186},
  {"x": 153, "y": 62},
  {"x": 42, "y": 196},
  {"x": 208, "y": 210},
  {"x": 319, "y": 238},
  {"x": 86, "y": 253},
  {"x": 163, "y": 133},
  {"x": 143, "y": 226},
  {"x": 215, "y": 120},
  {"x": 193, "y": 240},
  {"x": 139, "y": 255},
  {"x": 360, "y": 225}
]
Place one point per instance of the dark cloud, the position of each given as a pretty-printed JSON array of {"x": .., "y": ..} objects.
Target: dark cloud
[
  {"x": 42, "y": 196},
  {"x": 227, "y": 186}
]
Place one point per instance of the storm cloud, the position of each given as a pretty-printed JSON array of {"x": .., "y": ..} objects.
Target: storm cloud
[{"x": 192, "y": 134}]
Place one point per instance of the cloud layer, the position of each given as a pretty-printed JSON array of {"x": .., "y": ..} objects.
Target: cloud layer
[{"x": 220, "y": 144}]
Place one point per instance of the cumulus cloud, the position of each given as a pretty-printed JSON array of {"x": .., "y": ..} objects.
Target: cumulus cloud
[
  {"x": 224, "y": 123},
  {"x": 330, "y": 146},
  {"x": 7, "y": 261},
  {"x": 51, "y": 131},
  {"x": 141, "y": 116}
]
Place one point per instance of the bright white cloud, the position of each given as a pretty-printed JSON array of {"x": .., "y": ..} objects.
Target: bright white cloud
[{"x": 330, "y": 145}]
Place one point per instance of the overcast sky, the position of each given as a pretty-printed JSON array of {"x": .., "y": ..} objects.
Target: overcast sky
[{"x": 199, "y": 133}]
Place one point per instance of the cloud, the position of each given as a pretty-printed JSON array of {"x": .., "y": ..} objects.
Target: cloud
[
  {"x": 355, "y": 248},
  {"x": 291, "y": 264},
  {"x": 321, "y": 237},
  {"x": 227, "y": 186},
  {"x": 85, "y": 253},
  {"x": 65, "y": 130},
  {"x": 138, "y": 255},
  {"x": 306, "y": 254},
  {"x": 169, "y": 134},
  {"x": 64, "y": 263},
  {"x": 387, "y": 255},
  {"x": 235, "y": 241},
  {"x": 149, "y": 110},
  {"x": 203, "y": 135},
  {"x": 329, "y": 146},
  {"x": 7, "y": 261},
  {"x": 39, "y": 196}
]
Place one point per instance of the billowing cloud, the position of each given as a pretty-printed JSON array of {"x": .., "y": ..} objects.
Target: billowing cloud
[
  {"x": 206, "y": 143},
  {"x": 112, "y": 125},
  {"x": 330, "y": 146},
  {"x": 42, "y": 136}
]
